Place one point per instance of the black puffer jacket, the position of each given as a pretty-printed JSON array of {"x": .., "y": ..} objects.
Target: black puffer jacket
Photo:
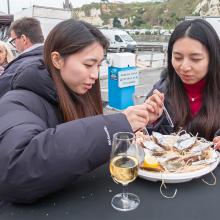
[
  {"x": 13, "y": 67},
  {"x": 38, "y": 153}
]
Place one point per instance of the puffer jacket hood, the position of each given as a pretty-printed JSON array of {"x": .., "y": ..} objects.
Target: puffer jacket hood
[{"x": 35, "y": 77}]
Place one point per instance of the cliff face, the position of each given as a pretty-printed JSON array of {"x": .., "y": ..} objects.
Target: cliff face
[
  {"x": 145, "y": 15},
  {"x": 208, "y": 8}
]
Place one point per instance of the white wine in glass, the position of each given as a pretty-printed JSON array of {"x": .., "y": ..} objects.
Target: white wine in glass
[{"x": 124, "y": 169}]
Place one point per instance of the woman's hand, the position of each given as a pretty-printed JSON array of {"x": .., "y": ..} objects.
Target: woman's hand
[
  {"x": 155, "y": 105},
  {"x": 137, "y": 116},
  {"x": 216, "y": 141}
]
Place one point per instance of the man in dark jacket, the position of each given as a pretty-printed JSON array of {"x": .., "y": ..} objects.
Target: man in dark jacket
[{"x": 27, "y": 38}]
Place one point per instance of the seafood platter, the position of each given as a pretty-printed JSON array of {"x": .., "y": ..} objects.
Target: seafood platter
[{"x": 175, "y": 158}]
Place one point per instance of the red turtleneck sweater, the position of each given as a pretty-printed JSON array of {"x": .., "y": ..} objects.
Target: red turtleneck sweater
[{"x": 194, "y": 93}]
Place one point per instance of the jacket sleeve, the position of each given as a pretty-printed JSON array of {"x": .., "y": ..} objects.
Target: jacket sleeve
[
  {"x": 217, "y": 133},
  {"x": 161, "y": 125},
  {"x": 36, "y": 160}
]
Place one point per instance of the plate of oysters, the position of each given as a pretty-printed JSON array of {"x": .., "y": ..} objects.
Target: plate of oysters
[{"x": 175, "y": 158}]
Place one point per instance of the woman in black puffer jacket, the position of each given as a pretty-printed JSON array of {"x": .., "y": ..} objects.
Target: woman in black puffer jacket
[{"x": 51, "y": 125}]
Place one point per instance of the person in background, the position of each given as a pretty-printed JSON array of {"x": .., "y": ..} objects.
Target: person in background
[
  {"x": 191, "y": 82},
  {"x": 52, "y": 125},
  {"x": 27, "y": 38},
  {"x": 6, "y": 56}
]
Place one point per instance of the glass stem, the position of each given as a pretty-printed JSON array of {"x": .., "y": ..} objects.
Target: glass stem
[{"x": 125, "y": 192}]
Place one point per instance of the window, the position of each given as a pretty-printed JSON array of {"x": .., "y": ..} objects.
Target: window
[{"x": 118, "y": 39}]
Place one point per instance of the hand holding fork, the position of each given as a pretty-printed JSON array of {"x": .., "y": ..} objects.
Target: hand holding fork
[{"x": 155, "y": 107}]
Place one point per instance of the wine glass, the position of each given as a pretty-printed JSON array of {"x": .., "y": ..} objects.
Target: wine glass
[{"x": 124, "y": 169}]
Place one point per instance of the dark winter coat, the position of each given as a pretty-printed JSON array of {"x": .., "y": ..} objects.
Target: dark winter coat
[
  {"x": 40, "y": 154},
  {"x": 19, "y": 62}
]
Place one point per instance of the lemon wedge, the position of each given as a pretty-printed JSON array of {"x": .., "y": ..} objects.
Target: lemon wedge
[{"x": 150, "y": 162}]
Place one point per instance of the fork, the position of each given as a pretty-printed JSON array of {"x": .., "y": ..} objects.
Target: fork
[{"x": 168, "y": 117}]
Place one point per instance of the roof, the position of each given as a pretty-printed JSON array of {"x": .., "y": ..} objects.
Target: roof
[
  {"x": 2, "y": 13},
  {"x": 6, "y": 19}
]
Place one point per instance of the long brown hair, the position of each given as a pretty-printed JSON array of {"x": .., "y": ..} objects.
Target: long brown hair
[
  {"x": 67, "y": 38},
  {"x": 207, "y": 121}
]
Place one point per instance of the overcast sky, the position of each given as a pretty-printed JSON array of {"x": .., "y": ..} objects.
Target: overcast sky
[{"x": 17, "y": 5}]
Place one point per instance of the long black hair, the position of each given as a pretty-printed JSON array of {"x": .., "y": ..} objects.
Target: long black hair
[
  {"x": 207, "y": 121},
  {"x": 69, "y": 37}
]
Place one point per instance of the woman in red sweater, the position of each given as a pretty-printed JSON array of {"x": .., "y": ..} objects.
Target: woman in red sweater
[{"x": 191, "y": 83}]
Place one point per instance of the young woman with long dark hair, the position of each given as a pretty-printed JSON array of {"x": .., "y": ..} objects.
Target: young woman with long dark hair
[
  {"x": 51, "y": 125},
  {"x": 191, "y": 82}
]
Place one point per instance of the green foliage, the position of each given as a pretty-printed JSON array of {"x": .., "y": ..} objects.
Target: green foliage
[
  {"x": 146, "y": 14},
  {"x": 116, "y": 23},
  {"x": 138, "y": 21}
]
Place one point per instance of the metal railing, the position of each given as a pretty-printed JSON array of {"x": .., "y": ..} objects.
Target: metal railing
[{"x": 152, "y": 59}]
